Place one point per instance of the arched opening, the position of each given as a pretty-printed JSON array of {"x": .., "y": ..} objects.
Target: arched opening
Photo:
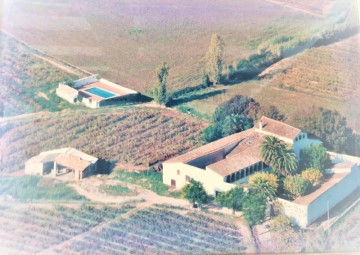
[
  {"x": 228, "y": 179},
  {"x": 232, "y": 177},
  {"x": 247, "y": 171},
  {"x": 237, "y": 175},
  {"x": 251, "y": 169},
  {"x": 242, "y": 174},
  {"x": 255, "y": 167}
]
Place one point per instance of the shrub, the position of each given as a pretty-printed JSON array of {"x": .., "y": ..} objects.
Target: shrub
[
  {"x": 313, "y": 175},
  {"x": 296, "y": 185},
  {"x": 280, "y": 223},
  {"x": 314, "y": 156},
  {"x": 232, "y": 199},
  {"x": 270, "y": 178}
]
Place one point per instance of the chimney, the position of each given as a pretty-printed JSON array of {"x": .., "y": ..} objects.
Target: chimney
[{"x": 260, "y": 125}]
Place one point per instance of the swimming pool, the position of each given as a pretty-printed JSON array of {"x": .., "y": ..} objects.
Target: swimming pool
[{"x": 100, "y": 92}]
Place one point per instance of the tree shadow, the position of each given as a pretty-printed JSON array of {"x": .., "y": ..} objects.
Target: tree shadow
[
  {"x": 176, "y": 102},
  {"x": 104, "y": 167}
]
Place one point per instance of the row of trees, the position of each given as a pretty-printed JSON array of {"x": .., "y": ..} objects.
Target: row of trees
[
  {"x": 212, "y": 74},
  {"x": 252, "y": 203}
]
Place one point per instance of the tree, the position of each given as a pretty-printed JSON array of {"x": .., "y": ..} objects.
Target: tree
[
  {"x": 296, "y": 185},
  {"x": 265, "y": 183},
  {"x": 328, "y": 125},
  {"x": 214, "y": 59},
  {"x": 195, "y": 193},
  {"x": 160, "y": 91},
  {"x": 237, "y": 105},
  {"x": 212, "y": 133},
  {"x": 312, "y": 175},
  {"x": 234, "y": 123},
  {"x": 254, "y": 206},
  {"x": 232, "y": 199},
  {"x": 275, "y": 153},
  {"x": 314, "y": 156}
]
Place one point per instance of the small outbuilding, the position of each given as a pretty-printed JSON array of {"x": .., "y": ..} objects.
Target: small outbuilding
[{"x": 60, "y": 162}]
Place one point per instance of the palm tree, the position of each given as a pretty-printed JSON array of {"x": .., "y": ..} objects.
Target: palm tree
[
  {"x": 276, "y": 154},
  {"x": 264, "y": 187},
  {"x": 285, "y": 162},
  {"x": 269, "y": 149}
]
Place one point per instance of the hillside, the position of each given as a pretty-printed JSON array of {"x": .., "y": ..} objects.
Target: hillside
[{"x": 27, "y": 82}]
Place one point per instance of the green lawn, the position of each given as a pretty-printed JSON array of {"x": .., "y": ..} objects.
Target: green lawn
[
  {"x": 146, "y": 179},
  {"x": 35, "y": 188}
]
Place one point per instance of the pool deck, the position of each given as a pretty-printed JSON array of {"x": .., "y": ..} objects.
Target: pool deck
[{"x": 116, "y": 90}]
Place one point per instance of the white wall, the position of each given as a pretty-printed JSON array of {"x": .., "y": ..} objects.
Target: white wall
[
  {"x": 84, "y": 81},
  {"x": 117, "y": 86},
  {"x": 92, "y": 104},
  {"x": 298, "y": 214},
  {"x": 66, "y": 96},
  {"x": 304, "y": 143},
  {"x": 33, "y": 168},
  {"x": 212, "y": 181},
  {"x": 334, "y": 195}
]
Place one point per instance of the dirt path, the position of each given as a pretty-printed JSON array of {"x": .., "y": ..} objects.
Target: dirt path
[{"x": 58, "y": 65}]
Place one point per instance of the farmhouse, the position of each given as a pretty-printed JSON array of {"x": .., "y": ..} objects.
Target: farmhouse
[
  {"x": 93, "y": 92},
  {"x": 231, "y": 160},
  {"x": 60, "y": 162}
]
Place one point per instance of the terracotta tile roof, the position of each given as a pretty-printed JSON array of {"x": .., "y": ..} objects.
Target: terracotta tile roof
[
  {"x": 277, "y": 128},
  {"x": 211, "y": 147},
  {"x": 72, "y": 162},
  {"x": 245, "y": 154}
]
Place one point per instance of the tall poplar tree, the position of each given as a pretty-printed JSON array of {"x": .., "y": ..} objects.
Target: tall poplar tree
[
  {"x": 214, "y": 59},
  {"x": 160, "y": 92}
]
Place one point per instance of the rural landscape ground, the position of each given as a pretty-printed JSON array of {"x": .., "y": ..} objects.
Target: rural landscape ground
[{"x": 127, "y": 209}]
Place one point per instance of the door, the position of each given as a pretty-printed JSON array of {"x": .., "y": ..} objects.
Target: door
[{"x": 173, "y": 183}]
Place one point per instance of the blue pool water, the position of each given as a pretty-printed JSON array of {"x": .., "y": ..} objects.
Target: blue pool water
[{"x": 100, "y": 92}]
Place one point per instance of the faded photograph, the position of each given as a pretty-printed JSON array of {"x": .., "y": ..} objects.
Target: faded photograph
[{"x": 179, "y": 127}]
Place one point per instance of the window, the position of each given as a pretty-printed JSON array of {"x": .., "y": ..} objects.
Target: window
[
  {"x": 178, "y": 172},
  {"x": 303, "y": 135},
  {"x": 187, "y": 178}
]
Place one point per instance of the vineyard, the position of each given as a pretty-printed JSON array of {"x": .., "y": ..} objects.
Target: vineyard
[
  {"x": 327, "y": 71},
  {"x": 32, "y": 229},
  {"x": 27, "y": 83},
  {"x": 138, "y": 137}
]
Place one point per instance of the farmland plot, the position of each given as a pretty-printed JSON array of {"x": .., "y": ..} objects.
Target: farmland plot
[
  {"x": 327, "y": 71},
  {"x": 33, "y": 229},
  {"x": 139, "y": 137},
  {"x": 124, "y": 41},
  {"x": 159, "y": 231},
  {"x": 27, "y": 83}
]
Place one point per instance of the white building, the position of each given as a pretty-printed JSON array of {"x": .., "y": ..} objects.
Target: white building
[
  {"x": 231, "y": 160},
  {"x": 62, "y": 161},
  {"x": 93, "y": 92}
]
